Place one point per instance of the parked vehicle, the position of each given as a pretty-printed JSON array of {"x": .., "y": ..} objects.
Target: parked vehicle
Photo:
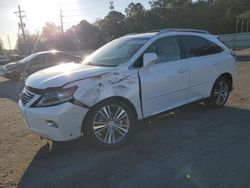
[
  {"x": 126, "y": 80},
  {"x": 4, "y": 60},
  {"x": 10, "y": 58},
  {"x": 35, "y": 62}
]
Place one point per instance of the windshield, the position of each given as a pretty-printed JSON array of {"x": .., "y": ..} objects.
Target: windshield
[
  {"x": 116, "y": 52},
  {"x": 27, "y": 59}
]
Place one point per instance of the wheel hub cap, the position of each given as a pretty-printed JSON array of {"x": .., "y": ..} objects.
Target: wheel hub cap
[{"x": 111, "y": 124}]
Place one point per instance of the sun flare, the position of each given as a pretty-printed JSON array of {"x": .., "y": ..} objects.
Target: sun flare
[{"x": 40, "y": 12}]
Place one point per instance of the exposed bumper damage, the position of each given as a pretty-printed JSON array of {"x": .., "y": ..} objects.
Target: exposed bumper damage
[{"x": 64, "y": 122}]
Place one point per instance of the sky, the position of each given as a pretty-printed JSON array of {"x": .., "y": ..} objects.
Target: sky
[{"x": 38, "y": 12}]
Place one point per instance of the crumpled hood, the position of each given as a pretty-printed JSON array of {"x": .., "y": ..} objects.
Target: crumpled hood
[{"x": 60, "y": 75}]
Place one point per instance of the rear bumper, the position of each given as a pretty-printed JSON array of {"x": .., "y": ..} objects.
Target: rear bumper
[{"x": 59, "y": 123}]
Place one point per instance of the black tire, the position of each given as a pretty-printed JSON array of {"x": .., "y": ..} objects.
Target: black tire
[
  {"x": 23, "y": 76},
  {"x": 111, "y": 124},
  {"x": 219, "y": 91}
]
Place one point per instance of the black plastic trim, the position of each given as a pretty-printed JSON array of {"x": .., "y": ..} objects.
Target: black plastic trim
[{"x": 140, "y": 94}]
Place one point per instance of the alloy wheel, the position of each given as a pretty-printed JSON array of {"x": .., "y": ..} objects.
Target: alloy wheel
[
  {"x": 111, "y": 124},
  {"x": 221, "y": 92}
]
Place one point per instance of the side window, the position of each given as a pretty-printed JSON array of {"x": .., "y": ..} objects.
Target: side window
[
  {"x": 37, "y": 60},
  {"x": 214, "y": 48},
  {"x": 49, "y": 59},
  {"x": 167, "y": 49},
  {"x": 197, "y": 46},
  {"x": 66, "y": 58}
]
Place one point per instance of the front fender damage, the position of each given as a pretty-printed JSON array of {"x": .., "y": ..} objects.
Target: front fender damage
[{"x": 98, "y": 88}]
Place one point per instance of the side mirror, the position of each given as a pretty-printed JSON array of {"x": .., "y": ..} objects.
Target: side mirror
[{"x": 149, "y": 58}]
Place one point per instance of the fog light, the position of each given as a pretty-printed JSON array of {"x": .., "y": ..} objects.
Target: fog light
[{"x": 51, "y": 124}]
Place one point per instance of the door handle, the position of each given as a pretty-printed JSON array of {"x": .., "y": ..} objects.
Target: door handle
[{"x": 182, "y": 70}]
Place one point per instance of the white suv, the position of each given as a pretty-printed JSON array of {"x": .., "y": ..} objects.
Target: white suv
[{"x": 128, "y": 79}]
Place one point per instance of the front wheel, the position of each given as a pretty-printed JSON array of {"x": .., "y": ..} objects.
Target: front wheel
[
  {"x": 110, "y": 123},
  {"x": 219, "y": 94},
  {"x": 24, "y": 75}
]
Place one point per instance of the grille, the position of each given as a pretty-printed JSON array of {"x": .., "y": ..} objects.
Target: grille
[{"x": 26, "y": 96}]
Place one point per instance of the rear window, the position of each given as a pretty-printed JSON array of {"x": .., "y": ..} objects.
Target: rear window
[
  {"x": 218, "y": 38},
  {"x": 213, "y": 48}
]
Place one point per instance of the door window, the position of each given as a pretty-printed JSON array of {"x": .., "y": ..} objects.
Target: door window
[
  {"x": 167, "y": 49},
  {"x": 197, "y": 46},
  {"x": 38, "y": 60},
  {"x": 213, "y": 48},
  {"x": 65, "y": 58}
]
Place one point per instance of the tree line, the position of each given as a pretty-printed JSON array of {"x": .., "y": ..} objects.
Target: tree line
[{"x": 216, "y": 16}]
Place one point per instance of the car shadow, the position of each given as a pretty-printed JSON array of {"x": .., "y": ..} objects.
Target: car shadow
[
  {"x": 11, "y": 89},
  {"x": 189, "y": 147}
]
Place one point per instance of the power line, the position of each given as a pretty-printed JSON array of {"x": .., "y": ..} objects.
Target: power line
[
  {"x": 82, "y": 9},
  {"x": 78, "y": 15},
  {"x": 80, "y": 3}
]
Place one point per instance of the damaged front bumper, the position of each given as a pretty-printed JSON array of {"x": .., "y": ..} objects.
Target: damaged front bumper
[{"x": 61, "y": 122}]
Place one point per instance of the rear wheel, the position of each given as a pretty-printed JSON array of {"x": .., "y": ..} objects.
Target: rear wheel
[
  {"x": 110, "y": 123},
  {"x": 219, "y": 94}
]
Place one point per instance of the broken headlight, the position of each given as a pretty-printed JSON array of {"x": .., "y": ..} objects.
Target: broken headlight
[{"x": 57, "y": 96}]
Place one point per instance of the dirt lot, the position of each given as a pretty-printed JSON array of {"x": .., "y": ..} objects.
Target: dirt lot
[{"x": 192, "y": 147}]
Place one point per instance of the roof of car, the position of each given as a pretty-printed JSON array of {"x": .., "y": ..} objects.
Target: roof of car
[
  {"x": 47, "y": 52},
  {"x": 151, "y": 34},
  {"x": 142, "y": 35}
]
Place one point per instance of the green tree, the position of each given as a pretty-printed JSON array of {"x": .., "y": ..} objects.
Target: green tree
[
  {"x": 112, "y": 26},
  {"x": 87, "y": 34},
  {"x": 50, "y": 30},
  {"x": 31, "y": 44},
  {"x": 135, "y": 14}
]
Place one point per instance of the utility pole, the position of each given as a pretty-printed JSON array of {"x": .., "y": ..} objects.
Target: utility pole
[
  {"x": 20, "y": 15},
  {"x": 164, "y": 4},
  {"x": 9, "y": 41},
  {"x": 111, "y": 5},
  {"x": 61, "y": 16}
]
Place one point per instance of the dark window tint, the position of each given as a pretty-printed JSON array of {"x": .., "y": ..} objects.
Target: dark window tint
[
  {"x": 37, "y": 60},
  {"x": 197, "y": 46},
  {"x": 213, "y": 48},
  {"x": 49, "y": 59},
  {"x": 66, "y": 58},
  {"x": 167, "y": 49}
]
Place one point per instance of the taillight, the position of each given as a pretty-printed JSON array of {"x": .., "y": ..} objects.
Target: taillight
[{"x": 233, "y": 54}]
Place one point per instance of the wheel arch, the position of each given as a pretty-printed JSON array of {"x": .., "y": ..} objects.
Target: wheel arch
[
  {"x": 226, "y": 75},
  {"x": 131, "y": 105},
  {"x": 229, "y": 77}
]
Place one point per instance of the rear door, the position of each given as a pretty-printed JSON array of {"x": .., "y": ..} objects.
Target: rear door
[{"x": 201, "y": 59}]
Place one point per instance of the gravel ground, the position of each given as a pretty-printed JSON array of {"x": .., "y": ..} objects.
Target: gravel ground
[{"x": 188, "y": 148}]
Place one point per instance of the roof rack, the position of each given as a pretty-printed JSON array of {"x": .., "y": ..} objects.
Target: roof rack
[
  {"x": 128, "y": 34},
  {"x": 183, "y": 30}
]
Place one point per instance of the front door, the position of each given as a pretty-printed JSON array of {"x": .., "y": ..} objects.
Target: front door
[{"x": 164, "y": 85}]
